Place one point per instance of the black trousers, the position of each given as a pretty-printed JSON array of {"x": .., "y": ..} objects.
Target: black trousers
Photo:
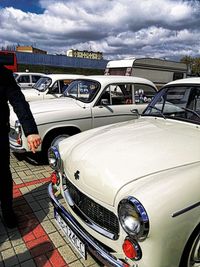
[{"x": 6, "y": 183}]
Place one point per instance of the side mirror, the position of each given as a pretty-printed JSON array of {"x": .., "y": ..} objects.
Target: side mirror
[
  {"x": 104, "y": 102},
  {"x": 135, "y": 112}
]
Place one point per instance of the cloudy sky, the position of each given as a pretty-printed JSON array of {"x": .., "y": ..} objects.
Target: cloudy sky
[{"x": 119, "y": 28}]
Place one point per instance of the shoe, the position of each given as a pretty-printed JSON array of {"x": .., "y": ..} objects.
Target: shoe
[{"x": 9, "y": 219}]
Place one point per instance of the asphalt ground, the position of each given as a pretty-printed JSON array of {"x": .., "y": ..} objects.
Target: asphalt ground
[{"x": 37, "y": 241}]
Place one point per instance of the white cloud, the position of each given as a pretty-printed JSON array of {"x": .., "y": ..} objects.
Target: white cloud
[{"x": 118, "y": 28}]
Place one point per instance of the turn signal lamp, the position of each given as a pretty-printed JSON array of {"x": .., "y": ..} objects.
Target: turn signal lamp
[
  {"x": 54, "y": 178},
  {"x": 131, "y": 249}
]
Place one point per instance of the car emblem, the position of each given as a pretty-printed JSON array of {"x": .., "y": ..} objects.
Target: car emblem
[{"x": 76, "y": 175}]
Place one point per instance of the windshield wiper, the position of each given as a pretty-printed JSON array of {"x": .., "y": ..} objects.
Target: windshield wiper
[
  {"x": 160, "y": 111},
  {"x": 192, "y": 111}
]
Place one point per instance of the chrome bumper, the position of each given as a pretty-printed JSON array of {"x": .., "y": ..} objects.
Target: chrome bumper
[
  {"x": 14, "y": 146},
  {"x": 92, "y": 245}
]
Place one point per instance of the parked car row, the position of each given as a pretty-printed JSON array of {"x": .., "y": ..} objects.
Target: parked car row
[
  {"x": 88, "y": 102},
  {"x": 130, "y": 174}
]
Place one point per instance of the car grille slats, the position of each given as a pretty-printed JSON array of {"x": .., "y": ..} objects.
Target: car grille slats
[{"x": 95, "y": 212}]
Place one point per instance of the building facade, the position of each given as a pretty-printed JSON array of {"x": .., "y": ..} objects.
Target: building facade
[
  {"x": 30, "y": 49},
  {"x": 85, "y": 54}
]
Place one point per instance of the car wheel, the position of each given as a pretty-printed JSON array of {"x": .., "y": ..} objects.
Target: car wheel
[
  {"x": 191, "y": 254},
  {"x": 58, "y": 139}
]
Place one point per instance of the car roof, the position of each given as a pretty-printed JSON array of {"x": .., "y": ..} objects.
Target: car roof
[
  {"x": 118, "y": 79},
  {"x": 194, "y": 80},
  {"x": 64, "y": 76},
  {"x": 32, "y": 73}
]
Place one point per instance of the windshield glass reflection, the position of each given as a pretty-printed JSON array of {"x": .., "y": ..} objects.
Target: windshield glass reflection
[
  {"x": 83, "y": 90},
  {"x": 178, "y": 102},
  {"x": 42, "y": 84}
]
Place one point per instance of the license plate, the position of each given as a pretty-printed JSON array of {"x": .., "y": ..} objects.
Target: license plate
[{"x": 71, "y": 236}]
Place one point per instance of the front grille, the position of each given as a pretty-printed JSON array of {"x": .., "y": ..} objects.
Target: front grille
[{"x": 95, "y": 212}]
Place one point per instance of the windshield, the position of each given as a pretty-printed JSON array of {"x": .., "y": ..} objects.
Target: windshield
[
  {"x": 83, "y": 90},
  {"x": 42, "y": 84},
  {"x": 15, "y": 75},
  {"x": 176, "y": 102}
]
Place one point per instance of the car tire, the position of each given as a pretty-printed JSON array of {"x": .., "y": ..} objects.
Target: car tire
[{"x": 191, "y": 253}]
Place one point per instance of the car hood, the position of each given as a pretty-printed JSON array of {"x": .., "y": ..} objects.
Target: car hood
[
  {"x": 110, "y": 157},
  {"x": 30, "y": 91},
  {"x": 52, "y": 105},
  {"x": 48, "y": 107}
]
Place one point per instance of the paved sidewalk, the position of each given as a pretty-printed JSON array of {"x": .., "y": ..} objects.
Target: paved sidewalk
[{"x": 37, "y": 241}]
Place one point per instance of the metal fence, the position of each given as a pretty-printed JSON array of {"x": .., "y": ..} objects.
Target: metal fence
[{"x": 59, "y": 61}]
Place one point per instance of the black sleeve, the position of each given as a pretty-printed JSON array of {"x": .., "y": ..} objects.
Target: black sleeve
[{"x": 19, "y": 104}]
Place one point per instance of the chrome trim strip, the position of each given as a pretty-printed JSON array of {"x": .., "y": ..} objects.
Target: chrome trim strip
[
  {"x": 92, "y": 245},
  {"x": 86, "y": 118},
  {"x": 15, "y": 147},
  {"x": 180, "y": 212}
]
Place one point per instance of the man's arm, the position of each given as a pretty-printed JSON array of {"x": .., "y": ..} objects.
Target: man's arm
[{"x": 22, "y": 109}]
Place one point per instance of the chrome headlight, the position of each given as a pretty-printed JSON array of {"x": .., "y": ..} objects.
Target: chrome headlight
[
  {"x": 133, "y": 218},
  {"x": 18, "y": 128},
  {"x": 54, "y": 158}
]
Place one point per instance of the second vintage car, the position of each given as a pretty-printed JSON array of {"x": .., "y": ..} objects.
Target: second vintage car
[
  {"x": 87, "y": 103},
  {"x": 129, "y": 193},
  {"x": 50, "y": 86},
  {"x": 26, "y": 80}
]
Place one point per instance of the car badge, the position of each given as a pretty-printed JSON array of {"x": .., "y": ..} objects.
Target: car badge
[{"x": 76, "y": 175}]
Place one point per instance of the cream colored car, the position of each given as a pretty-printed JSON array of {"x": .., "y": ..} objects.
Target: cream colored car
[
  {"x": 129, "y": 193},
  {"x": 49, "y": 86},
  {"x": 88, "y": 102}
]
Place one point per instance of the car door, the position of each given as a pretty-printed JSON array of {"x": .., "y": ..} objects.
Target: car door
[
  {"x": 119, "y": 102},
  {"x": 24, "y": 81},
  {"x": 35, "y": 78},
  {"x": 55, "y": 90}
]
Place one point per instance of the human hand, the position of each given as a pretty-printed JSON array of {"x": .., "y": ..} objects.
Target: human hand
[{"x": 34, "y": 141}]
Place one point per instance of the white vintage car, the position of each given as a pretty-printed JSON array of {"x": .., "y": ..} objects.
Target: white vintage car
[
  {"x": 50, "y": 86},
  {"x": 26, "y": 80},
  {"x": 129, "y": 193},
  {"x": 88, "y": 102}
]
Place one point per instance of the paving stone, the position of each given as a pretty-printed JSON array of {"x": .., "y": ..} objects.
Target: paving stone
[
  {"x": 16, "y": 239},
  {"x": 9, "y": 257},
  {"x": 29, "y": 263},
  {"x": 48, "y": 227},
  {"x": 76, "y": 263},
  {"x": 5, "y": 245},
  {"x": 57, "y": 239},
  {"x": 67, "y": 254},
  {"x": 22, "y": 252}
]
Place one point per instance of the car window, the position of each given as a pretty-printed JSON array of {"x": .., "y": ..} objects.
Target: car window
[
  {"x": 83, "y": 90},
  {"x": 143, "y": 93},
  {"x": 179, "y": 102},
  {"x": 117, "y": 94},
  {"x": 42, "y": 84},
  {"x": 55, "y": 89},
  {"x": 23, "y": 79},
  {"x": 126, "y": 93},
  {"x": 63, "y": 84},
  {"x": 35, "y": 78}
]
